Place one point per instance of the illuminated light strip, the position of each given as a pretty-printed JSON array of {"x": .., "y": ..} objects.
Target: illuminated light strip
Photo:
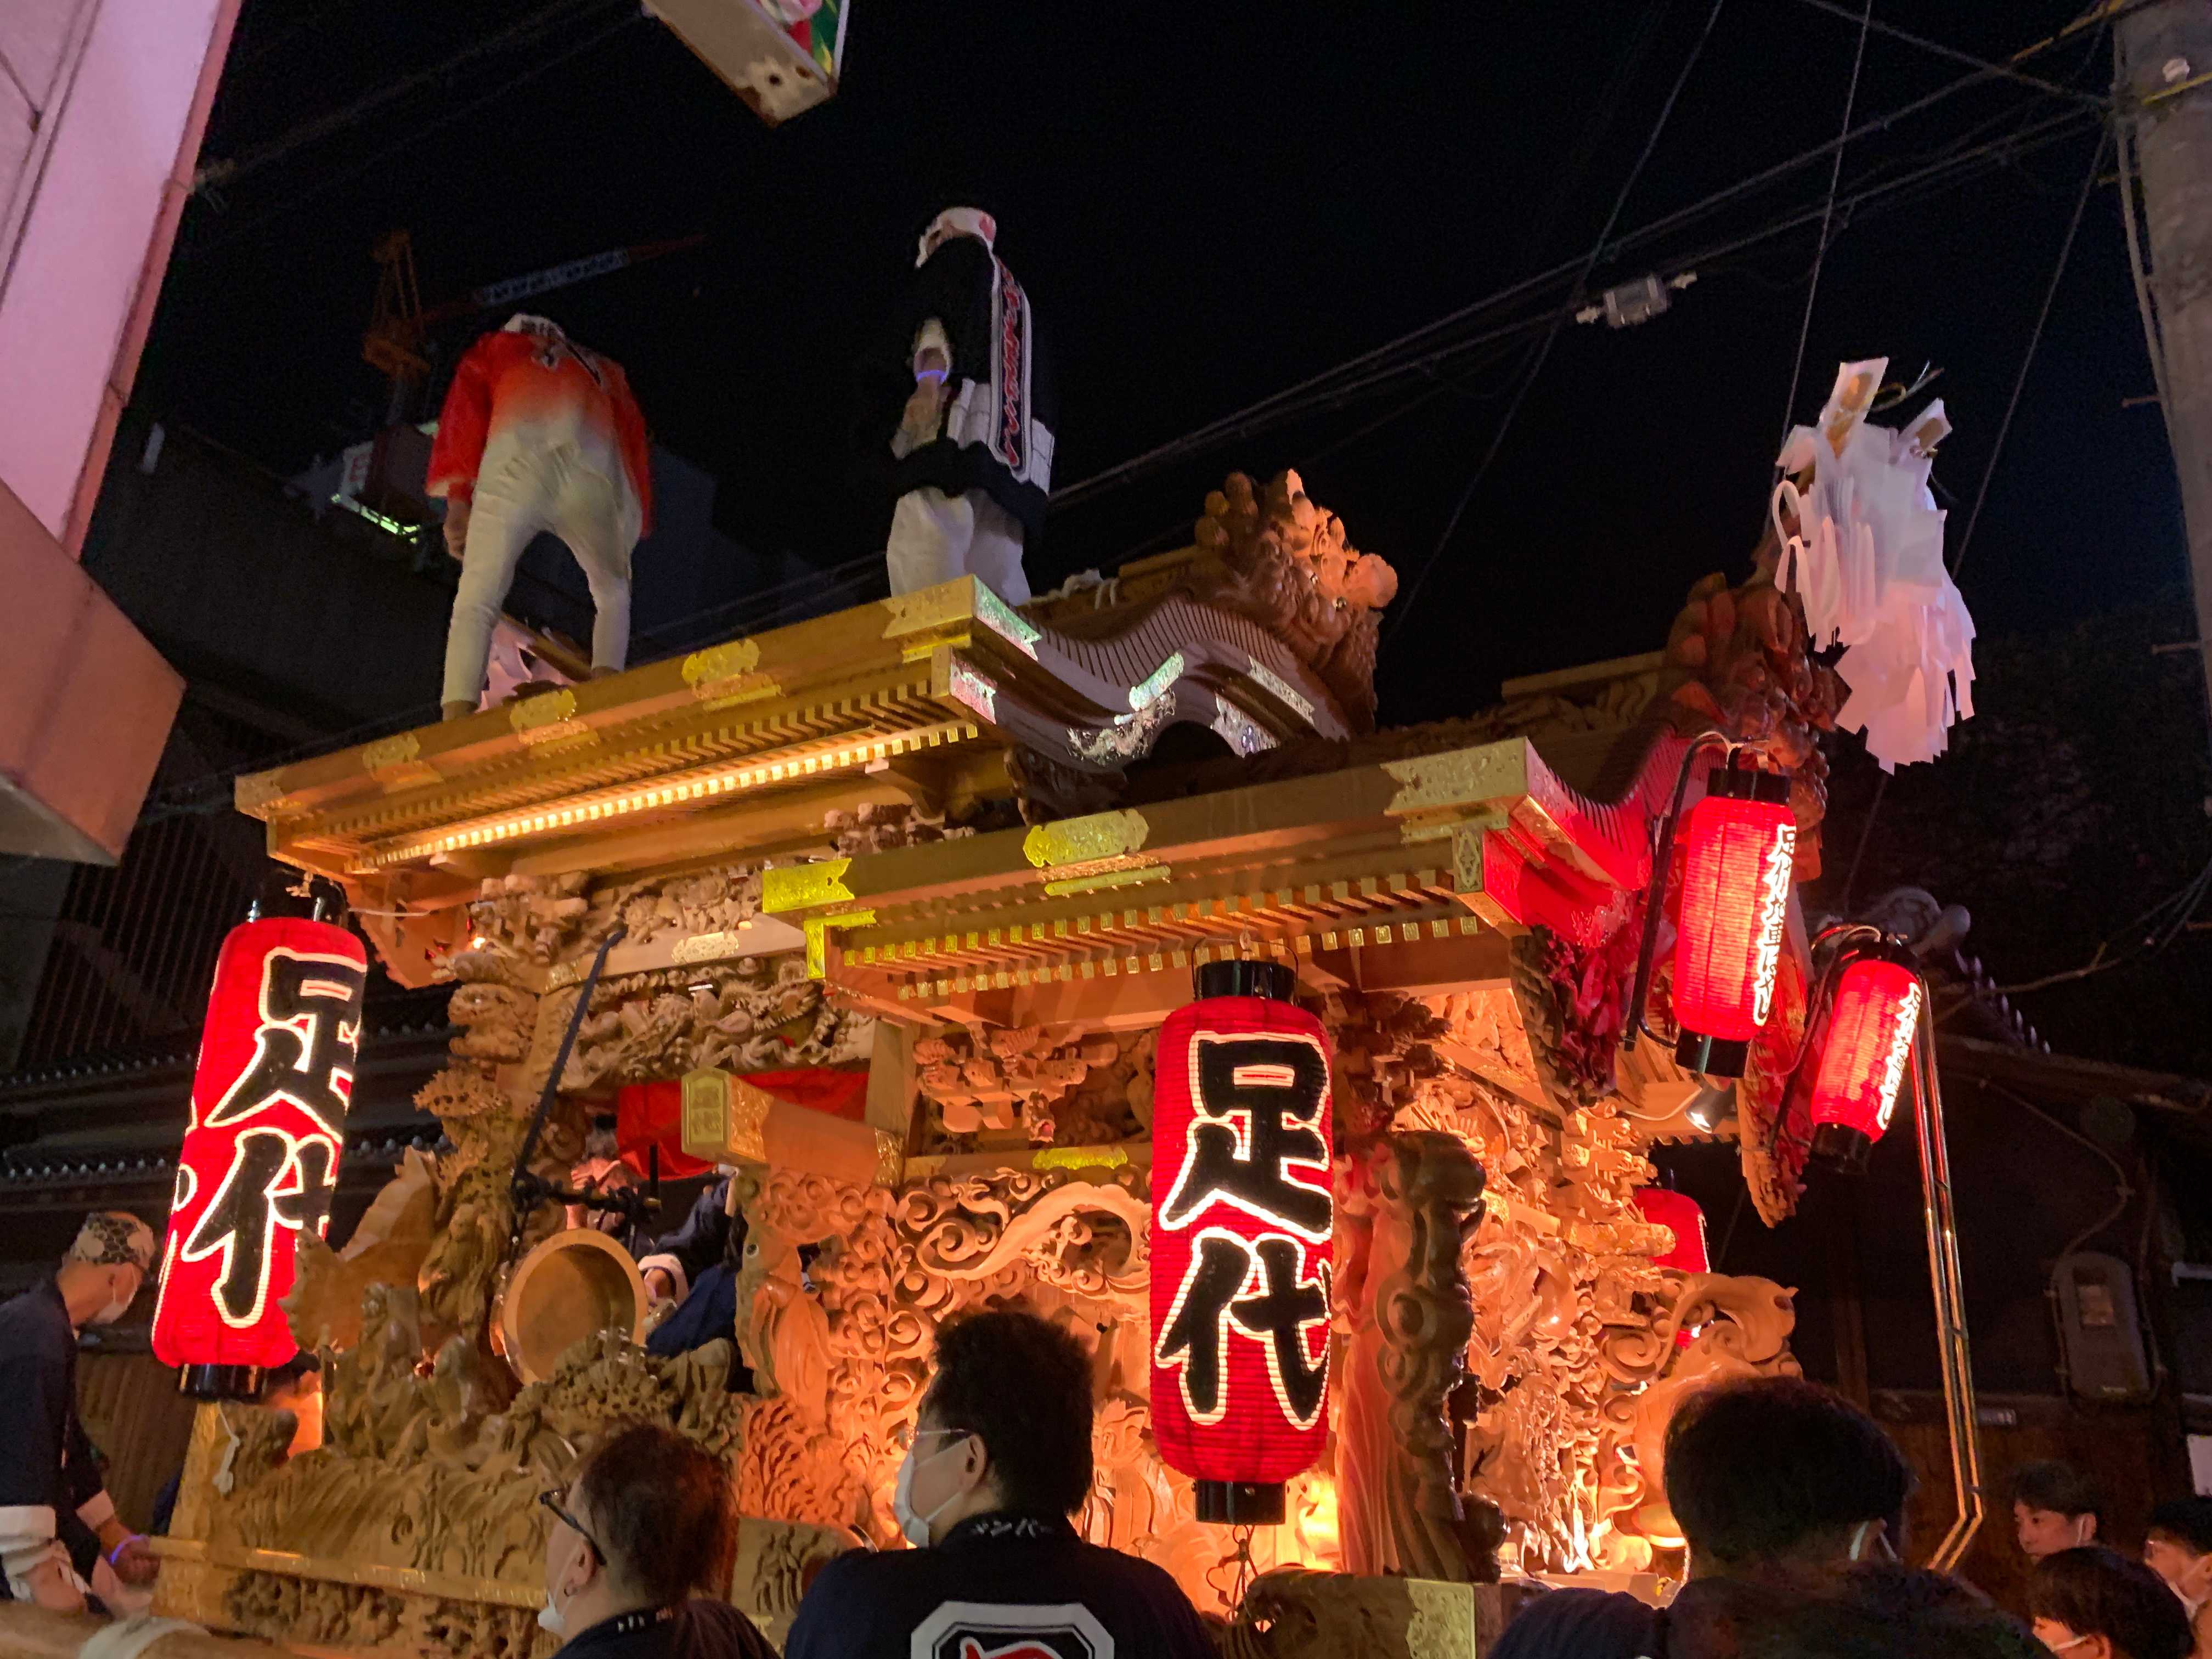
[
  {"x": 657, "y": 795},
  {"x": 365, "y": 824}
]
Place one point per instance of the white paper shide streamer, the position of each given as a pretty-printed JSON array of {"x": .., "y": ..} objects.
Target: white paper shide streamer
[{"x": 1867, "y": 563}]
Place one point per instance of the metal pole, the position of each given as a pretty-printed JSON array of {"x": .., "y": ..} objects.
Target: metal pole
[
  {"x": 1963, "y": 1421},
  {"x": 2163, "y": 58}
]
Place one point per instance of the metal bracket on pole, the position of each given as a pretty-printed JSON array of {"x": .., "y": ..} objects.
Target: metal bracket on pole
[{"x": 1963, "y": 1421}]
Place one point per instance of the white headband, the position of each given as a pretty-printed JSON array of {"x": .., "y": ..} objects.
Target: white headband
[{"x": 955, "y": 221}]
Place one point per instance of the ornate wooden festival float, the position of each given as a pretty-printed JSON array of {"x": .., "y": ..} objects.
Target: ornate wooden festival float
[{"x": 995, "y": 868}]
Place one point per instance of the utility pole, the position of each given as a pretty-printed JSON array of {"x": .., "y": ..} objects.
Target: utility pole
[{"x": 2163, "y": 88}]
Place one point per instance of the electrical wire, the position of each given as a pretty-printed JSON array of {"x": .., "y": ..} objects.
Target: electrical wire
[
  {"x": 1827, "y": 219},
  {"x": 2125, "y": 1188},
  {"x": 1576, "y": 296},
  {"x": 1418, "y": 347},
  {"x": 2167, "y": 920},
  {"x": 231, "y": 170},
  {"x": 1938, "y": 49},
  {"x": 2027, "y": 358},
  {"x": 330, "y": 181}
]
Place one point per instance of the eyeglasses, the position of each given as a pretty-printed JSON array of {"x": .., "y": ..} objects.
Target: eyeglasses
[
  {"x": 550, "y": 1498},
  {"x": 904, "y": 1438}
]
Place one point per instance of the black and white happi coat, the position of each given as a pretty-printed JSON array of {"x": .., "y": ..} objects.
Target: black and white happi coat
[{"x": 996, "y": 432}]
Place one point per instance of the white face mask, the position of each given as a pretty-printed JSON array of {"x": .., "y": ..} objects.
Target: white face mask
[
  {"x": 115, "y": 1310},
  {"x": 914, "y": 1528},
  {"x": 551, "y": 1618}
]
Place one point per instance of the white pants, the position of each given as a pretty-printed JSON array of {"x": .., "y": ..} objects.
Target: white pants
[
  {"x": 936, "y": 537},
  {"x": 517, "y": 495}
]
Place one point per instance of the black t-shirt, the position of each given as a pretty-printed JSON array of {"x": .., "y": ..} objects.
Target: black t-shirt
[{"x": 998, "y": 1587}]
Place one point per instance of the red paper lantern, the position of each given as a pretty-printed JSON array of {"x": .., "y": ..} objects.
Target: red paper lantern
[
  {"x": 260, "y": 1158},
  {"x": 1871, "y": 1024},
  {"x": 1740, "y": 841},
  {"x": 1680, "y": 1214},
  {"x": 1243, "y": 1214}
]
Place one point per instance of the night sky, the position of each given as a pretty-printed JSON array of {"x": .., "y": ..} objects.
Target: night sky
[{"x": 1208, "y": 206}]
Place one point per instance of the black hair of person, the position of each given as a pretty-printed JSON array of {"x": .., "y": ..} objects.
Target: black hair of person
[
  {"x": 2058, "y": 1487},
  {"x": 1760, "y": 1469},
  {"x": 2186, "y": 1520},
  {"x": 2099, "y": 1592},
  {"x": 1023, "y": 1387},
  {"x": 663, "y": 1510}
]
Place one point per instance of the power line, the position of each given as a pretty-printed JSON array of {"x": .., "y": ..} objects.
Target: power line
[
  {"x": 1938, "y": 49},
  {"x": 251, "y": 160},
  {"x": 2027, "y": 358},
  {"x": 1575, "y": 297},
  {"x": 330, "y": 181},
  {"x": 1981, "y": 495},
  {"x": 1383, "y": 357},
  {"x": 1827, "y": 218},
  {"x": 1946, "y": 169}
]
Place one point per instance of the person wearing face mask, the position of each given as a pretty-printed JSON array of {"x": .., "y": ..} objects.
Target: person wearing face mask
[
  {"x": 47, "y": 1469},
  {"x": 2178, "y": 1547},
  {"x": 640, "y": 1544},
  {"x": 973, "y": 450},
  {"x": 999, "y": 1459},
  {"x": 2093, "y": 1603},
  {"x": 1779, "y": 1486},
  {"x": 2054, "y": 1507}
]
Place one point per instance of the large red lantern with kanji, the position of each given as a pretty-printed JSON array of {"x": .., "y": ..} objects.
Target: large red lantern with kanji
[
  {"x": 1681, "y": 1215},
  {"x": 1739, "y": 844},
  {"x": 1867, "y": 1046},
  {"x": 260, "y": 1158},
  {"x": 1241, "y": 1220}
]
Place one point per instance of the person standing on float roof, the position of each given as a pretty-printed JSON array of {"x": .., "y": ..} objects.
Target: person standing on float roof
[
  {"x": 974, "y": 447},
  {"x": 49, "y": 1477},
  {"x": 538, "y": 433}
]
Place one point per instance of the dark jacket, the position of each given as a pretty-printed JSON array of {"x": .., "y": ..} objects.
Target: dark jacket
[
  {"x": 1582, "y": 1623},
  {"x": 1000, "y": 409},
  {"x": 46, "y": 1464},
  {"x": 998, "y": 1583},
  {"x": 699, "y": 1629},
  {"x": 704, "y": 1239}
]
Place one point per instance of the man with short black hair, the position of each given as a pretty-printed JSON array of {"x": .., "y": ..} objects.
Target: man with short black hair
[
  {"x": 999, "y": 1459},
  {"x": 2096, "y": 1604},
  {"x": 641, "y": 1539},
  {"x": 1776, "y": 1482},
  {"x": 2178, "y": 1547},
  {"x": 49, "y": 1477},
  {"x": 2054, "y": 1507}
]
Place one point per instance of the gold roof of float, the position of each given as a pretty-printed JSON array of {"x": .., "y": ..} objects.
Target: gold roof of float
[{"x": 743, "y": 747}]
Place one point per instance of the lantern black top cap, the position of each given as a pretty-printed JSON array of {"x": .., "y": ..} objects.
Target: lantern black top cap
[
  {"x": 1735, "y": 782},
  {"x": 1237, "y": 977},
  {"x": 1885, "y": 947}
]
